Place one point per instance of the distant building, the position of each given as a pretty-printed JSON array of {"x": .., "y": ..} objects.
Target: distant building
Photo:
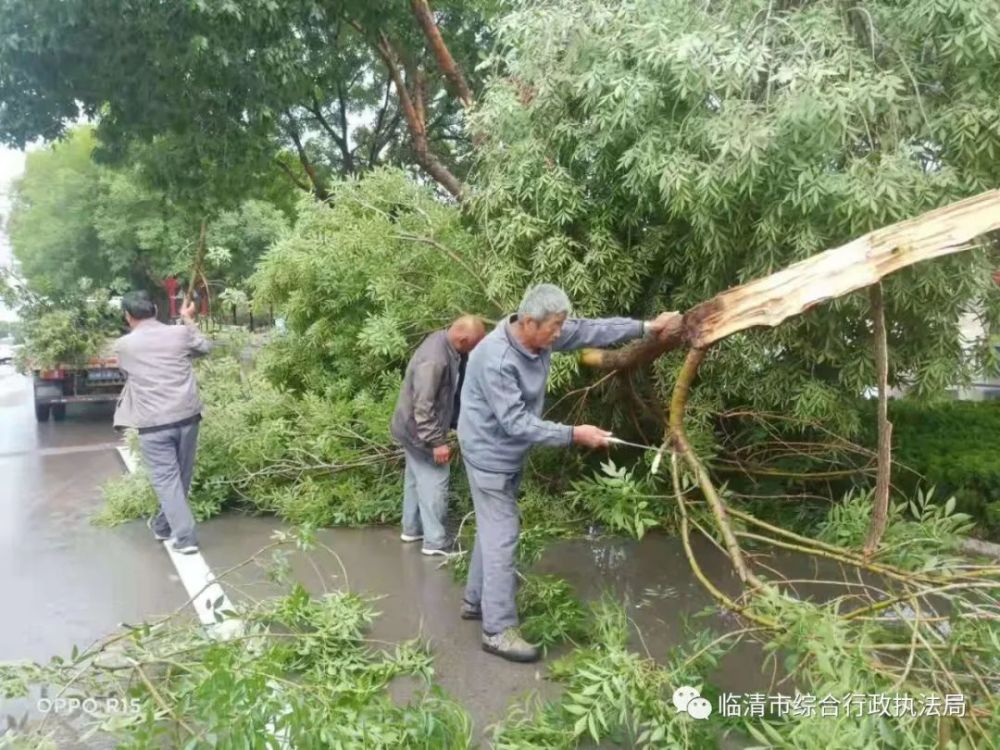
[{"x": 986, "y": 386}]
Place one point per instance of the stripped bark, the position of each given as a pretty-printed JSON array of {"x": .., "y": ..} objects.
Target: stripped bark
[
  {"x": 860, "y": 263},
  {"x": 880, "y": 508},
  {"x": 792, "y": 291}
]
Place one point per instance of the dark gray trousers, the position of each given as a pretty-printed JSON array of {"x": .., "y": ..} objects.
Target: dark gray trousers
[{"x": 169, "y": 458}]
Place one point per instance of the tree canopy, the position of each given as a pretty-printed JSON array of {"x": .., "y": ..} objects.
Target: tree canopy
[
  {"x": 644, "y": 154},
  {"x": 651, "y": 154},
  {"x": 233, "y": 85},
  {"x": 77, "y": 225}
]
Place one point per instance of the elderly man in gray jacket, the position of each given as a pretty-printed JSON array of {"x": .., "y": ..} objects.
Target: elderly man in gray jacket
[
  {"x": 500, "y": 420},
  {"x": 161, "y": 401},
  {"x": 427, "y": 408}
]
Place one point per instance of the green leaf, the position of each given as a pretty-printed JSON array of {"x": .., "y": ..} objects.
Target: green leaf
[{"x": 949, "y": 506}]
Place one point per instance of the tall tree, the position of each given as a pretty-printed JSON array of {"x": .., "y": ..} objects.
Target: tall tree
[
  {"x": 50, "y": 224},
  {"x": 235, "y": 84},
  {"x": 652, "y": 153},
  {"x": 77, "y": 221}
]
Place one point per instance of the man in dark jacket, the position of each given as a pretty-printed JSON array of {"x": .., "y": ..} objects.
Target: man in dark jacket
[{"x": 426, "y": 410}]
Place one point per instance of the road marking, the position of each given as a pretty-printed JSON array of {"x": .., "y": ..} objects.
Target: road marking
[
  {"x": 206, "y": 594},
  {"x": 130, "y": 460},
  {"x": 96, "y": 447},
  {"x": 207, "y": 597}
]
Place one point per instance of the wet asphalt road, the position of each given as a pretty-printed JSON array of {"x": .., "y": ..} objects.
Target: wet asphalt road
[{"x": 65, "y": 581}]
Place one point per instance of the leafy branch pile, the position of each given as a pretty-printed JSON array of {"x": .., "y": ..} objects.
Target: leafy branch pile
[
  {"x": 69, "y": 333},
  {"x": 300, "y": 668},
  {"x": 304, "y": 432},
  {"x": 851, "y": 635},
  {"x": 310, "y": 460}
]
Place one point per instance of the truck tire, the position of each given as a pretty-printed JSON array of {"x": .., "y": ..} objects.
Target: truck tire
[
  {"x": 59, "y": 412},
  {"x": 42, "y": 412}
]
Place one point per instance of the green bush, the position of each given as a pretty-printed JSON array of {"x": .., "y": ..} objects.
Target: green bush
[
  {"x": 68, "y": 334},
  {"x": 319, "y": 459},
  {"x": 953, "y": 446},
  {"x": 921, "y": 532}
]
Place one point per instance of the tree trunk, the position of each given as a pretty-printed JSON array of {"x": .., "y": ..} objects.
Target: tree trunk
[
  {"x": 678, "y": 437},
  {"x": 880, "y": 508},
  {"x": 422, "y": 10},
  {"x": 317, "y": 184},
  {"x": 199, "y": 260},
  {"x": 296, "y": 180},
  {"x": 413, "y": 112}
]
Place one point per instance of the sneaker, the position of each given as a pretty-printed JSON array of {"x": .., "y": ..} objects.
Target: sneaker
[
  {"x": 156, "y": 534},
  {"x": 448, "y": 550},
  {"x": 411, "y": 537},
  {"x": 470, "y": 611},
  {"x": 185, "y": 549},
  {"x": 509, "y": 645}
]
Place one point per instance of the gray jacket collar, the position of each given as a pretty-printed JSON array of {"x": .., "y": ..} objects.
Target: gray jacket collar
[{"x": 513, "y": 340}]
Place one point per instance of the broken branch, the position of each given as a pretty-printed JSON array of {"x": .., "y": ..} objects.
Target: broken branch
[{"x": 792, "y": 291}]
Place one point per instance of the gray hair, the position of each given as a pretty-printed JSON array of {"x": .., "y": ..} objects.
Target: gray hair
[{"x": 542, "y": 302}]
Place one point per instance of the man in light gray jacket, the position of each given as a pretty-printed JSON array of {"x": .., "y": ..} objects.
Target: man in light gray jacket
[
  {"x": 500, "y": 420},
  {"x": 161, "y": 401},
  {"x": 427, "y": 408}
]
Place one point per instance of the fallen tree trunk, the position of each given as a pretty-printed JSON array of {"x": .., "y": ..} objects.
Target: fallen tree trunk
[
  {"x": 769, "y": 301},
  {"x": 792, "y": 291},
  {"x": 980, "y": 547}
]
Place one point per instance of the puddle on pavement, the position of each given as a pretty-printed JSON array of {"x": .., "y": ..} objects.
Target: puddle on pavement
[{"x": 419, "y": 598}]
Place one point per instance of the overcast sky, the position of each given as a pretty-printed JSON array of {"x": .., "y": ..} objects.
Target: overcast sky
[{"x": 11, "y": 166}]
